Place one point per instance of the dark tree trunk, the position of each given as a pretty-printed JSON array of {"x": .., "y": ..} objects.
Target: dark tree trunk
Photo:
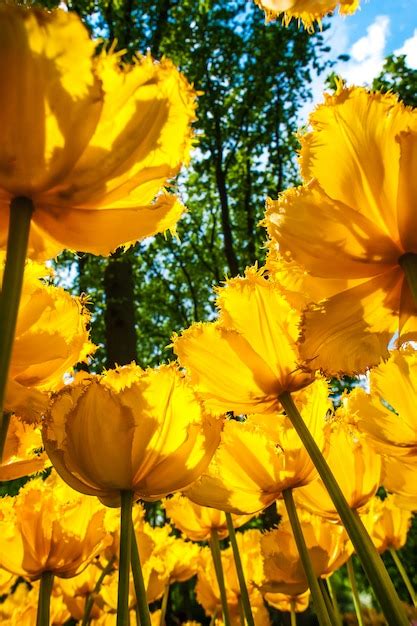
[{"x": 119, "y": 317}]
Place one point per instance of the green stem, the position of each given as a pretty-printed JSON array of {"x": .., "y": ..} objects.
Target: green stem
[
  {"x": 409, "y": 264},
  {"x": 164, "y": 606},
  {"x": 140, "y": 589},
  {"x": 293, "y": 615},
  {"x": 124, "y": 558},
  {"x": 327, "y": 600},
  {"x": 241, "y": 611},
  {"x": 91, "y": 596},
  {"x": 318, "y": 600},
  {"x": 21, "y": 210},
  {"x": 240, "y": 574},
  {"x": 404, "y": 576},
  {"x": 332, "y": 593},
  {"x": 365, "y": 549},
  {"x": 355, "y": 593},
  {"x": 44, "y": 601},
  {"x": 218, "y": 567}
]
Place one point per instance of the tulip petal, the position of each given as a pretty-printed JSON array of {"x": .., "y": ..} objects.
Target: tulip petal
[
  {"x": 356, "y": 131},
  {"x": 317, "y": 230},
  {"x": 407, "y": 190},
  {"x": 351, "y": 330},
  {"x": 102, "y": 231}
]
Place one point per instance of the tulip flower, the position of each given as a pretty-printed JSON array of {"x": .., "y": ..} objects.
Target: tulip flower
[
  {"x": 95, "y": 142},
  {"x": 49, "y": 530},
  {"x": 365, "y": 208},
  {"x": 20, "y": 608},
  {"x": 298, "y": 603},
  {"x": 355, "y": 464},
  {"x": 51, "y": 337},
  {"x": 129, "y": 430},
  {"x": 259, "y": 458},
  {"x": 22, "y": 454},
  {"x": 306, "y": 11},
  {"x": 328, "y": 545},
  {"x": 388, "y": 523},
  {"x": 244, "y": 361},
  {"x": 197, "y": 522}
]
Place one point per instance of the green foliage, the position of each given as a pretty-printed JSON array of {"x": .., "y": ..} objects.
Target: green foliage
[{"x": 396, "y": 76}]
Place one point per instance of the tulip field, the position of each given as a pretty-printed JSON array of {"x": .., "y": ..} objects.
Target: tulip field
[{"x": 261, "y": 467}]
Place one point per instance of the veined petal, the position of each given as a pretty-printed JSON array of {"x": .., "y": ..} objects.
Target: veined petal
[
  {"x": 225, "y": 370},
  {"x": 51, "y": 99},
  {"x": 351, "y": 331},
  {"x": 142, "y": 138},
  {"x": 316, "y": 229},
  {"x": 407, "y": 190},
  {"x": 357, "y": 131},
  {"x": 399, "y": 477},
  {"x": 256, "y": 309},
  {"x": 108, "y": 228}
]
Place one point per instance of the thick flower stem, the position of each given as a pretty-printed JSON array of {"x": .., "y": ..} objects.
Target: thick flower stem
[
  {"x": 355, "y": 593},
  {"x": 44, "y": 601},
  {"x": 239, "y": 569},
  {"x": 91, "y": 596},
  {"x": 293, "y": 616},
  {"x": 218, "y": 567},
  {"x": 318, "y": 600},
  {"x": 140, "y": 589},
  {"x": 404, "y": 576},
  {"x": 365, "y": 549},
  {"x": 21, "y": 210},
  {"x": 164, "y": 606},
  {"x": 409, "y": 264},
  {"x": 335, "y": 603},
  {"x": 124, "y": 558}
]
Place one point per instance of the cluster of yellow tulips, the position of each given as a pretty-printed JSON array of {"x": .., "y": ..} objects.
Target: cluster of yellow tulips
[{"x": 244, "y": 419}]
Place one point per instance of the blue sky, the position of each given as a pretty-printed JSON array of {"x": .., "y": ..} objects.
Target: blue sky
[{"x": 379, "y": 28}]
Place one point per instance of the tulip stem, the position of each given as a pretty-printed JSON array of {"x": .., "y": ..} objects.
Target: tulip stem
[
  {"x": 241, "y": 611},
  {"x": 244, "y": 595},
  {"x": 293, "y": 615},
  {"x": 404, "y": 576},
  {"x": 91, "y": 596},
  {"x": 44, "y": 600},
  {"x": 21, "y": 210},
  {"x": 408, "y": 262},
  {"x": 335, "y": 603},
  {"x": 327, "y": 600},
  {"x": 140, "y": 589},
  {"x": 355, "y": 593},
  {"x": 164, "y": 605},
  {"x": 365, "y": 549},
  {"x": 124, "y": 558},
  {"x": 318, "y": 600},
  {"x": 218, "y": 567}
]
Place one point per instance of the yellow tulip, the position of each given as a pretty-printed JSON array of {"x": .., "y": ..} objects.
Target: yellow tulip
[
  {"x": 89, "y": 141},
  {"x": 243, "y": 362},
  {"x": 48, "y": 527},
  {"x": 284, "y": 602},
  {"x": 365, "y": 208},
  {"x": 306, "y": 11},
  {"x": 51, "y": 337},
  {"x": 20, "y": 608},
  {"x": 75, "y": 591},
  {"x": 387, "y": 523},
  {"x": 387, "y": 415},
  {"x": 197, "y": 522},
  {"x": 327, "y": 543},
  {"x": 259, "y": 458},
  {"x": 399, "y": 477},
  {"x": 22, "y": 454},
  {"x": 355, "y": 464},
  {"x": 130, "y": 430}
]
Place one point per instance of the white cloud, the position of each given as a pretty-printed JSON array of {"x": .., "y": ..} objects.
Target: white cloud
[
  {"x": 367, "y": 53},
  {"x": 409, "y": 48}
]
